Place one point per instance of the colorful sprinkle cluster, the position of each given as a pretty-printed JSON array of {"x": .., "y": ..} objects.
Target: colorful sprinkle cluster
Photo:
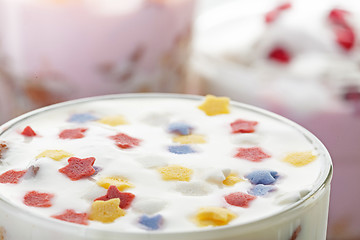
[{"x": 187, "y": 180}]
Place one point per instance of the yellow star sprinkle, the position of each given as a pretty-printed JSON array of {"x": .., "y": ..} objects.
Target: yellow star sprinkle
[
  {"x": 231, "y": 180},
  {"x": 300, "y": 159},
  {"x": 213, "y": 216},
  {"x": 176, "y": 172},
  {"x": 215, "y": 105},
  {"x": 56, "y": 155},
  {"x": 120, "y": 182},
  {"x": 189, "y": 139},
  {"x": 113, "y": 120},
  {"x": 106, "y": 211}
]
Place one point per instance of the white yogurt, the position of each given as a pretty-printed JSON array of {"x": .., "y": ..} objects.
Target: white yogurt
[{"x": 298, "y": 192}]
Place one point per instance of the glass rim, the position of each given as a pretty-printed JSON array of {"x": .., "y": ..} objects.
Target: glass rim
[{"x": 322, "y": 182}]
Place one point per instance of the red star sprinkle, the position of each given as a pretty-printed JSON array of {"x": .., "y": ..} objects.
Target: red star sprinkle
[
  {"x": 280, "y": 55},
  {"x": 73, "y": 133},
  {"x": 243, "y": 126},
  {"x": 12, "y": 176},
  {"x": 28, "y": 132},
  {"x": 113, "y": 192},
  {"x": 71, "y": 216},
  {"x": 254, "y": 154},
  {"x": 37, "y": 199},
  {"x": 124, "y": 141},
  {"x": 272, "y": 15},
  {"x": 239, "y": 199},
  {"x": 78, "y": 168},
  {"x": 344, "y": 33}
]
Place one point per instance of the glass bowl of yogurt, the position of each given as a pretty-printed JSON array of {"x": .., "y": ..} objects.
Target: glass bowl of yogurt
[{"x": 161, "y": 166}]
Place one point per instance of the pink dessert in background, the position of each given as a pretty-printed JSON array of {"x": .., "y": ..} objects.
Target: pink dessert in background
[
  {"x": 57, "y": 50},
  {"x": 299, "y": 59}
]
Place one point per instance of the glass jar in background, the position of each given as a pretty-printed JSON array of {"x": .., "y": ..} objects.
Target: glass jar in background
[
  {"x": 57, "y": 50},
  {"x": 299, "y": 59}
]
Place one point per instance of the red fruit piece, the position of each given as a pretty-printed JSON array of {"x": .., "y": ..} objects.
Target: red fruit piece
[
  {"x": 338, "y": 16},
  {"x": 11, "y": 176},
  {"x": 113, "y": 192},
  {"x": 344, "y": 33},
  {"x": 279, "y": 55},
  {"x": 254, "y": 154},
  {"x": 28, "y": 132},
  {"x": 272, "y": 15},
  {"x": 124, "y": 141},
  {"x": 73, "y": 133},
  {"x": 37, "y": 199},
  {"x": 78, "y": 168},
  {"x": 345, "y": 37},
  {"x": 239, "y": 199},
  {"x": 3, "y": 148},
  {"x": 71, "y": 216},
  {"x": 243, "y": 126}
]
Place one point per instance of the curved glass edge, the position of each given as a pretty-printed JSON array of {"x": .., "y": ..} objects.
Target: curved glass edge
[{"x": 324, "y": 181}]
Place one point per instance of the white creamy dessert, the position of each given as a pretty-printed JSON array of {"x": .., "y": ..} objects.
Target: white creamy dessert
[
  {"x": 312, "y": 78},
  {"x": 179, "y": 166},
  {"x": 61, "y": 50}
]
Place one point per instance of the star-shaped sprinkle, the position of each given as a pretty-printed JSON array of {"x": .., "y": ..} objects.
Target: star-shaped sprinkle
[
  {"x": 265, "y": 177},
  {"x": 121, "y": 183},
  {"x": 151, "y": 223},
  {"x": 261, "y": 190},
  {"x": 239, "y": 199},
  {"x": 180, "y": 128},
  {"x": 38, "y": 199},
  {"x": 78, "y": 168},
  {"x": 125, "y": 141},
  {"x": 176, "y": 172},
  {"x": 243, "y": 126},
  {"x": 69, "y": 215},
  {"x": 28, "y": 132},
  {"x": 12, "y": 176},
  {"x": 214, "y": 216},
  {"x": 299, "y": 159},
  {"x": 181, "y": 149},
  {"x": 113, "y": 121},
  {"x": 215, "y": 105},
  {"x": 113, "y": 192},
  {"x": 189, "y": 139},
  {"x": 232, "y": 179},
  {"x": 73, "y": 133},
  {"x": 56, "y": 155},
  {"x": 82, "y": 118},
  {"x": 106, "y": 211},
  {"x": 254, "y": 154}
]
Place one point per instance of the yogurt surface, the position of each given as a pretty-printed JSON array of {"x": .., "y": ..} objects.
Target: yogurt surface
[{"x": 170, "y": 130}]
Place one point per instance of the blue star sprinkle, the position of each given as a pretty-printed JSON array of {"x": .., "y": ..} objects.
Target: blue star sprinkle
[
  {"x": 265, "y": 177},
  {"x": 180, "y": 128},
  {"x": 261, "y": 190},
  {"x": 181, "y": 149},
  {"x": 82, "y": 118},
  {"x": 151, "y": 223}
]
